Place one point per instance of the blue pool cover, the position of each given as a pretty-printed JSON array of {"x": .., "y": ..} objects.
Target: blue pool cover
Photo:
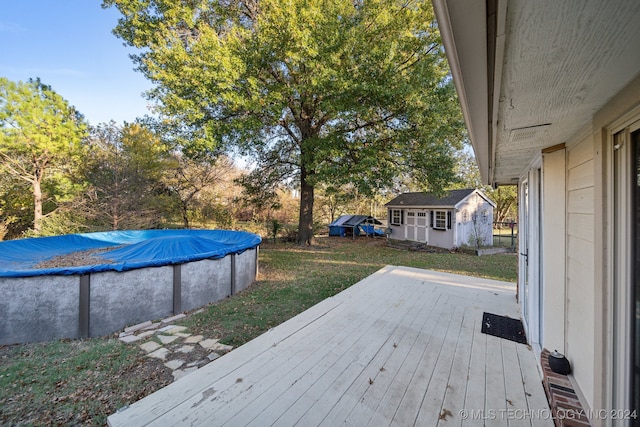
[{"x": 131, "y": 249}]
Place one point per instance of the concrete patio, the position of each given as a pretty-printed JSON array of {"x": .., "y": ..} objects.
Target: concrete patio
[{"x": 402, "y": 347}]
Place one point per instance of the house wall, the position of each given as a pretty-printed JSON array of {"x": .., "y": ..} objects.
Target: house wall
[
  {"x": 580, "y": 261},
  {"x": 553, "y": 254},
  {"x": 589, "y": 240},
  {"x": 461, "y": 231},
  {"x": 435, "y": 237},
  {"x": 441, "y": 238},
  {"x": 467, "y": 230}
]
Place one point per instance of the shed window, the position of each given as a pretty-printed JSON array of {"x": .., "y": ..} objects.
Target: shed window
[
  {"x": 396, "y": 216},
  {"x": 440, "y": 220}
]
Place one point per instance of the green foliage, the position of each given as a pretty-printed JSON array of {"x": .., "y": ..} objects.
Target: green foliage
[
  {"x": 276, "y": 227},
  {"x": 506, "y": 197},
  {"x": 123, "y": 171},
  {"x": 40, "y": 136},
  {"x": 468, "y": 176},
  {"x": 189, "y": 179},
  {"x": 318, "y": 92},
  {"x": 467, "y": 171}
]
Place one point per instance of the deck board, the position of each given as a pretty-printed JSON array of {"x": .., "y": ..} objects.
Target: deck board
[{"x": 402, "y": 347}]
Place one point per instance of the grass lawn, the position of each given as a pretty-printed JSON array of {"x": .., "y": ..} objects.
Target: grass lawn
[{"x": 82, "y": 382}]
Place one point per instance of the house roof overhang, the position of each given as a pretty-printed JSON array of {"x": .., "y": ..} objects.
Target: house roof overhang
[
  {"x": 531, "y": 75},
  {"x": 464, "y": 36}
]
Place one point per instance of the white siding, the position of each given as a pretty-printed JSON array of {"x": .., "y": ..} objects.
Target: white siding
[
  {"x": 580, "y": 264},
  {"x": 553, "y": 250},
  {"x": 466, "y": 231}
]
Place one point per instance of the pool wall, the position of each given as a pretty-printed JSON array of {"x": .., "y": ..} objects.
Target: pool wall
[{"x": 44, "y": 308}]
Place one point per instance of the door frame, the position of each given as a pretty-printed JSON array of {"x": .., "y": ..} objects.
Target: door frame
[
  {"x": 530, "y": 291},
  {"x": 620, "y": 274}
]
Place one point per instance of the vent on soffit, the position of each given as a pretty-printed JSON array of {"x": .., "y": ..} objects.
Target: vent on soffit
[{"x": 529, "y": 134}]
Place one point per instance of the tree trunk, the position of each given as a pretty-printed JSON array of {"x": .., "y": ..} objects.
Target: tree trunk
[
  {"x": 184, "y": 209},
  {"x": 305, "y": 223},
  {"x": 37, "y": 209},
  {"x": 38, "y": 176}
]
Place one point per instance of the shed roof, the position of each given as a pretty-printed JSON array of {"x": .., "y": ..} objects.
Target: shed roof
[{"x": 449, "y": 200}]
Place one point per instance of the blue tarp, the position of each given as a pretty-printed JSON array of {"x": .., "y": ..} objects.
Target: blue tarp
[
  {"x": 357, "y": 223},
  {"x": 131, "y": 249},
  {"x": 371, "y": 230}
]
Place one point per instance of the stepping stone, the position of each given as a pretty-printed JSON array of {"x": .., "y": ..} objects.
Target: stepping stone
[
  {"x": 182, "y": 335},
  {"x": 129, "y": 339},
  {"x": 138, "y": 326},
  {"x": 174, "y": 364},
  {"x": 160, "y": 353},
  {"x": 194, "y": 339},
  {"x": 179, "y": 373},
  {"x": 152, "y": 327},
  {"x": 208, "y": 344},
  {"x": 185, "y": 349},
  {"x": 146, "y": 334},
  {"x": 173, "y": 318},
  {"x": 213, "y": 356},
  {"x": 221, "y": 347},
  {"x": 150, "y": 346},
  {"x": 172, "y": 329},
  {"x": 166, "y": 339}
]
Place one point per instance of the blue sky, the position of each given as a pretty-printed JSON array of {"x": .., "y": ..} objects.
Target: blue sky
[{"x": 69, "y": 45}]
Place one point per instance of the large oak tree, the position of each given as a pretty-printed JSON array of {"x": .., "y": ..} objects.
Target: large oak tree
[{"x": 333, "y": 91}]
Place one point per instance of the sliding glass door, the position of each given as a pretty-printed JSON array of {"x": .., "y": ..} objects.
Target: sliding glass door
[{"x": 635, "y": 282}]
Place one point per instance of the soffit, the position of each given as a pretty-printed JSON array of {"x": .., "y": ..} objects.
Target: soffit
[{"x": 563, "y": 60}]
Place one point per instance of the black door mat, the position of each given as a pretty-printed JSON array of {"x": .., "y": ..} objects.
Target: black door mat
[{"x": 503, "y": 327}]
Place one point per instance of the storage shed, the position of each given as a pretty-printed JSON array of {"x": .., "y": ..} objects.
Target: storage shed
[
  {"x": 458, "y": 218},
  {"x": 354, "y": 225}
]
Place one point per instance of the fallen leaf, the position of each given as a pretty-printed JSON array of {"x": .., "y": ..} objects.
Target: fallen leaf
[{"x": 445, "y": 413}]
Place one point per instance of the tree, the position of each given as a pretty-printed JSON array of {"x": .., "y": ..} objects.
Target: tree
[
  {"x": 505, "y": 197},
  {"x": 188, "y": 178},
  {"x": 123, "y": 169},
  {"x": 468, "y": 176},
  {"x": 338, "y": 92},
  {"x": 467, "y": 171},
  {"x": 40, "y": 133},
  {"x": 16, "y": 199}
]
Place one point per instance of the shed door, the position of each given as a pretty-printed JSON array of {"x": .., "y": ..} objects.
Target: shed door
[
  {"x": 417, "y": 228},
  {"x": 410, "y": 229},
  {"x": 422, "y": 226}
]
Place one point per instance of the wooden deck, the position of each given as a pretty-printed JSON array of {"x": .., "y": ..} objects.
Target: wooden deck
[{"x": 402, "y": 347}]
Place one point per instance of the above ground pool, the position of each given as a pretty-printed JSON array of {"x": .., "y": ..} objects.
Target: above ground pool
[{"x": 86, "y": 285}]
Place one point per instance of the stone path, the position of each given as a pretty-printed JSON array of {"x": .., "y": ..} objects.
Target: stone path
[{"x": 181, "y": 351}]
